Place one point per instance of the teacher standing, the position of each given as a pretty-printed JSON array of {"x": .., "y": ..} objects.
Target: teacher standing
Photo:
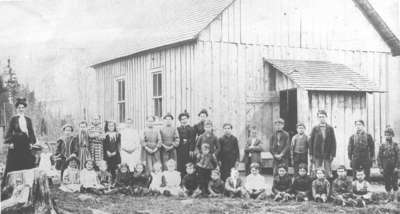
[{"x": 20, "y": 137}]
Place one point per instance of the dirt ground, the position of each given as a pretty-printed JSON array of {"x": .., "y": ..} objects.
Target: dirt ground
[{"x": 87, "y": 204}]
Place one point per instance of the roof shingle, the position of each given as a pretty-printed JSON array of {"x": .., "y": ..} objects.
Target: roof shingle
[{"x": 323, "y": 76}]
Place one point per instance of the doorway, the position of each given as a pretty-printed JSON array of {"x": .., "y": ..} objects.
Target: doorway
[{"x": 288, "y": 109}]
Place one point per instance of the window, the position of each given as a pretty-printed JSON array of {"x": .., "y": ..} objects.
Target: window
[
  {"x": 272, "y": 78},
  {"x": 157, "y": 94},
  {"x": 121, "y": 100}
]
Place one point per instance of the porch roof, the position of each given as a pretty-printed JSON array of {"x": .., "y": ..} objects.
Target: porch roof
[{"x": 323, "y": 76}]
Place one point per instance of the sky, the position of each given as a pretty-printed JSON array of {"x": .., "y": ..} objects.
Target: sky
[{"x": 52, "y": 42}]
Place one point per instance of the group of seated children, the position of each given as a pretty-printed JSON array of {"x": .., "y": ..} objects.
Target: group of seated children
[{"x": 344, "y": 191}]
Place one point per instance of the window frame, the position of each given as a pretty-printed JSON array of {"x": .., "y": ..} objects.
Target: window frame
[
  {"x": 157, "y": 92},
  {"x": 121, "y": 93}
]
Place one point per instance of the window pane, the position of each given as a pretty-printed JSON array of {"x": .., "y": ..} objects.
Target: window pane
[
  {"x": 159, "y": 85},
  {"x": 123, "y": 90},
  {"x": 121, "y": 112},
  {"x": 154, "y": 85},
  {"x": 160, "y": 104}
]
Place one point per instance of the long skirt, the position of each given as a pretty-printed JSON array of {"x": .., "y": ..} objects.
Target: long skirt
[
  {"x": 84, "y": 155},
  {"x": 149, "y": 159},
  {"x": 20, "y": 157}
]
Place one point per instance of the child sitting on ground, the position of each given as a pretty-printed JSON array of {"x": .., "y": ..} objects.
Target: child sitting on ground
[
  {"x": 141, "y": 180},
  {"x": 89, "y": 180},
  {"x": 234, "y": 185},
  {"x": 172, "y": 180},
  {"x": 255, "y": 183},
  {"x": 320, "y": 187},
  {"x": 71, "y": 181},
  {"x": 20, "y": 194},
  {"x": 123, "y": 179},
  {"x": 206, "y": 162},
  {"x": 216, "y": 186},
  {"x": 190, "y": 184},
  {"x": 282, "y": 184},
  {"x": 361, "y": 189},
  {"x": 104, "y": 176},
  {"x": 342, "y": 188},
  {"x": 301, "y": 187},
  {"x": 156, "y": 179}
]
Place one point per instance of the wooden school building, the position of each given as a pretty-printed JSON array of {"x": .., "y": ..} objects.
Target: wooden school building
[{"x": 249, "y": 62}]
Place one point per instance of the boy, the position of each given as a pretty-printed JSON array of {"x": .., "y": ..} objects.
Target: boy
[
  {"x": 169, "y": 140},
  {"x": 190, "y": 184},
  {"x": 302, "y": 184},
  {"x": 199, "y": 127},
  {"x": 216, "y": 185},
  {"x": 229, "y": 153},
  {"x": 156, "y": 179},
  {"x": 361, "y": 149},
  {"x": 206, "y": 162},
  {"x": 342, "y": 188},
  {"x": 323, "y": 144},
  {"x": 279, "y": 146},
  {"x": 255, "y": 183},
  {"x": 299, "y": 147},
  {"x": 234, "y": 185},
  {"x": 253, "y": 149},
  {"x": 104, "y": 176},
  {"x": 360, "y": 189},
  {"x": 388, "y": 161},
  {"x": 282, "y": 184},
  {"x": 209, "y": 138},
  {"x": 320, "y": 187}
]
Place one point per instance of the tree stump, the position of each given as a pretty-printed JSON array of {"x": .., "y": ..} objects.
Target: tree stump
[{"x": 37, "y": 201}]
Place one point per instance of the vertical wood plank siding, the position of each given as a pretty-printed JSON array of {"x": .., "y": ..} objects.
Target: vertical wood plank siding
[{"x": 224, "y": 70}]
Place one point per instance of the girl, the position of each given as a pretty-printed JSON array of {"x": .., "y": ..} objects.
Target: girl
[
  {"x": 71, "y": 181},
  {"x": 156, "y": 179},
  {"x": 112, "y": 147},
  {"x": 141, "y": 180},
  {"x": 150, "y": 144},
  {"x": 169, "y": 140},
  {"x": 229, "y": 153},
  {"x": 172, "y": 180},
  {"x": 123, "y": 179},
  {"x": 130, "y": 144},
  {"x": 82, "y": 144},
  {"x": 88, "y": 178},
  {"x": 65, "y": 147},
  {"x": 104, "y": 176}
]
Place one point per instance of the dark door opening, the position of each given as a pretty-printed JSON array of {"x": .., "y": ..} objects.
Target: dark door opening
[{"x": 288, "y": 109}]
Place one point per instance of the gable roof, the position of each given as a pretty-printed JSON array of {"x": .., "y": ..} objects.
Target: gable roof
[
  {"x": 380, "y": 25},
  {"x": 176, "y": 21},
  {"x": 323, "y": 76},
  {"x": 183, "y": 20}
]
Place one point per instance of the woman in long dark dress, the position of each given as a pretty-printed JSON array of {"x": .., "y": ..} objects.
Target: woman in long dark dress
[
  {"x": 20, "y": 137},
  {"x": 186, "y": 147}
]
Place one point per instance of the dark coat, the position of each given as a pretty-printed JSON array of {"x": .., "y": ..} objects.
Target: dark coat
[
  {"x": 302, "y": 184},
  {"x": 65, "y": 147},
  {"x": 252, "y": 155},
  {"x": 282, "y": 184},
  {"x": 228, "y": 155},
  {"x": 199, "y": 129},
  {"x": 187, "y": 144},
  {"x": 20, "y": 157},
  {"x": 320, "y": 148},
  {"x": 212, "y": 140},
  {"x": 362, "y": 151},
  {"x": 112, "y": 146},
  {"x": 389, "y": 155},
  {"x": 280, "y": 147}
]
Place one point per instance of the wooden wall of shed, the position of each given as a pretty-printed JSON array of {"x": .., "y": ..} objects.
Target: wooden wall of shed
[
  {"x": 343, "y": 109},
  {"x": 236, "y": 77}
]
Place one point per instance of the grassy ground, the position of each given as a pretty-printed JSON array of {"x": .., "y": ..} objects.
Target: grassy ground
[{"x": 118, "y": 203}]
